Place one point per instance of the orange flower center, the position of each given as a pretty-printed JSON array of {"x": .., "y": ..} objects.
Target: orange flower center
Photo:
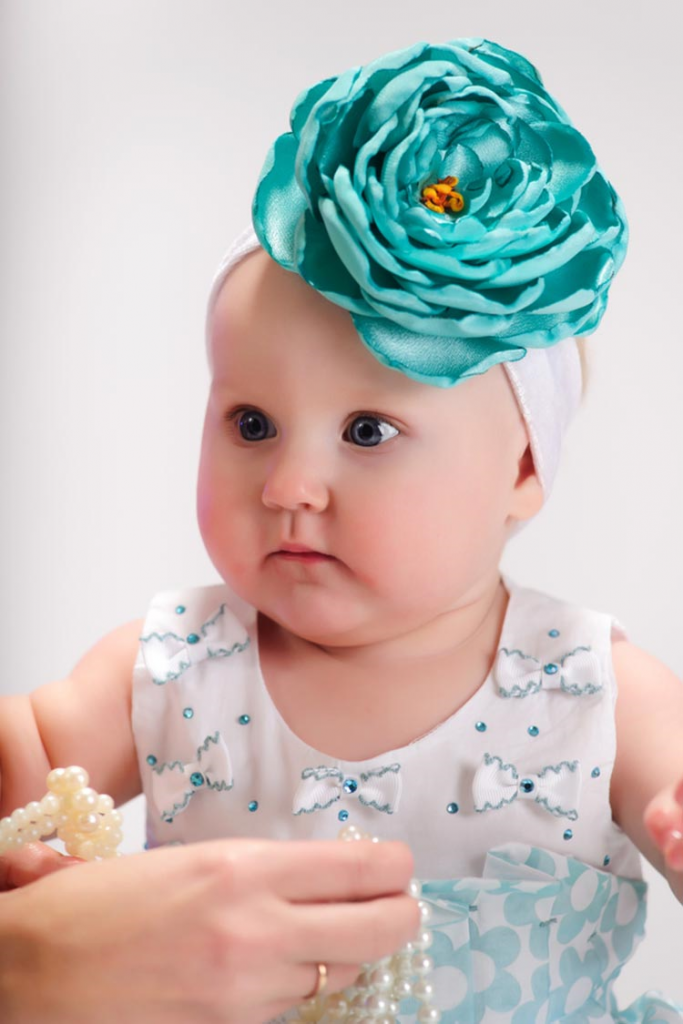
[{"x": 442, "y": 197}]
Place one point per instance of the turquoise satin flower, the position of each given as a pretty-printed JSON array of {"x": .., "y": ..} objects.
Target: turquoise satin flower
[{"x": 527, "y": 261}]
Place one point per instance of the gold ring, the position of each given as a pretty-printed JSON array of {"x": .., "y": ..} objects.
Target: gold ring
[{"x": 320, "y": 982}]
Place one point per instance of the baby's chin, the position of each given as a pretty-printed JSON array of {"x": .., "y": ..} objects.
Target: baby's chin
[{"x": 321, "y": 628}]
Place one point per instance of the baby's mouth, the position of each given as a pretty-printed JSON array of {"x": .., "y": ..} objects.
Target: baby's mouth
[{"x": 301, "y": 553}]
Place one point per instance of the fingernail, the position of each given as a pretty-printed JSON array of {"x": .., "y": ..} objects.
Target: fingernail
[
  {"x": 674, "y": 858},
  {"x": 673, "y": 850}
]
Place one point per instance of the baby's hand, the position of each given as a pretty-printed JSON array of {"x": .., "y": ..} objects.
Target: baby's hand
[{"x": 663, "y": 819}]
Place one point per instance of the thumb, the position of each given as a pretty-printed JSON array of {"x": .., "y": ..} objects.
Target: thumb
[{"x": 29, "y": 863}]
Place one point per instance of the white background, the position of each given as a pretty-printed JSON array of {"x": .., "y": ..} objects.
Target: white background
[{"x": 132, "y": 135}]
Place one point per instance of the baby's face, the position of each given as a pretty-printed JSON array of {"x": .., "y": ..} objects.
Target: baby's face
[{"x": 402, "y": 494}]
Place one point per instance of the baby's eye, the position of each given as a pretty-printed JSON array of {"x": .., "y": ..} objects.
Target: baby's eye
[
  {"x": 369, "y": 431},
  {"x": 254, "y": 425}
]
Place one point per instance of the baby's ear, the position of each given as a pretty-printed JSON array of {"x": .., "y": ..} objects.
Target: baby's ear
[{"x": 527, "y": 496}]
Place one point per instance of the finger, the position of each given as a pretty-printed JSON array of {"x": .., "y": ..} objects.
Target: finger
[
  {"x": 328, "y": 870},
  {"x": 673, "y": 849},
  {"x": 301, "y": 982},
  {"x": 663, "y": 814},
  {"x": 31, "y": 862},
  {"x": 352, "y": 933}
]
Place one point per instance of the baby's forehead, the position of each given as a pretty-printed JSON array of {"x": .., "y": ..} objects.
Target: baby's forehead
[{"x": 274, "y": 334}]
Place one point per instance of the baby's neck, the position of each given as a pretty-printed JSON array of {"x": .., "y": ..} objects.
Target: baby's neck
[{"x": 357, "y": 703}]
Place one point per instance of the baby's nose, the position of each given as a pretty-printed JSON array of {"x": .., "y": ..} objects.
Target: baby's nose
[{"x": 296, "y": 480}]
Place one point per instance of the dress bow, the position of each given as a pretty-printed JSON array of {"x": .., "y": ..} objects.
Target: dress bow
[
  {"x": 519, "y": 675},
  {"x": 175, "y": 783},
  {"x": 556, "y": 787},
  {"x": 167, "y": 655},
  {"x": 320, "y": 787}
]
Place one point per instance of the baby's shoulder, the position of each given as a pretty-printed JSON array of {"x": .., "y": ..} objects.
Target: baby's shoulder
[
  {"x": 648, "y": 689},
  {"x": 553, "y": 631}
]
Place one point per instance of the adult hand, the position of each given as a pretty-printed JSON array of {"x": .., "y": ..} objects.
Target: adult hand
[{"x": 224, "y": 931}]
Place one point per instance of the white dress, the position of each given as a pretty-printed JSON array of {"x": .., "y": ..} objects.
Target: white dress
[{"x": 537, "y": 895}]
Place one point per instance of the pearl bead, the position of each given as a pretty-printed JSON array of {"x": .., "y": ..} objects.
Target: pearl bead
[
  {"x": 75, "y": 778},
  {"x": 55, "y": 780},
  {"x": 428, "y": 1015},
  {"x": 88, "y": 822},
  {"x": 50, "y": 804},
  {"x": 424, "y": 939},
  {"x": 423, "y": 989},
  {"x": 425, "y": 912},
  {"x": 377, "y": 1004},
  {"x": 336, "y": 1006},
  {"x": 84, "y": 800},
  {"x": 85, "y": 849},
  {"x": 350, "y": 833},
  {"x": 414, "y": 888},
  {"x": 34, "y": 810},
  {"x": 19, "y": 817},
  {"x": 402, "y": 989},
  {"x": 104, "y": 803},
  {"x": 382, "y": 979},
  {"x": 422, "y": 964}
]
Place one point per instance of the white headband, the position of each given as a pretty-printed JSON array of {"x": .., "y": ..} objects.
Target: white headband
[{"x": 546, "y": 382}]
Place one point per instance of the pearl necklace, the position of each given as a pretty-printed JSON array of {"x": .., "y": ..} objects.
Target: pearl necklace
[
  {"x": 375, "y": 996},
  {"x": 84, "y": 820},
  {"x": 90, "y": 828}
]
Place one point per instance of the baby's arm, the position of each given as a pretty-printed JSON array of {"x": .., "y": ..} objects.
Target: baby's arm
[
  {"x": 646, "y": 783},
  {"x": 84, "y": 719}
]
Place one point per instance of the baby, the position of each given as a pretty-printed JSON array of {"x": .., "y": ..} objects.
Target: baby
[{"x": 393, "y": 364}]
